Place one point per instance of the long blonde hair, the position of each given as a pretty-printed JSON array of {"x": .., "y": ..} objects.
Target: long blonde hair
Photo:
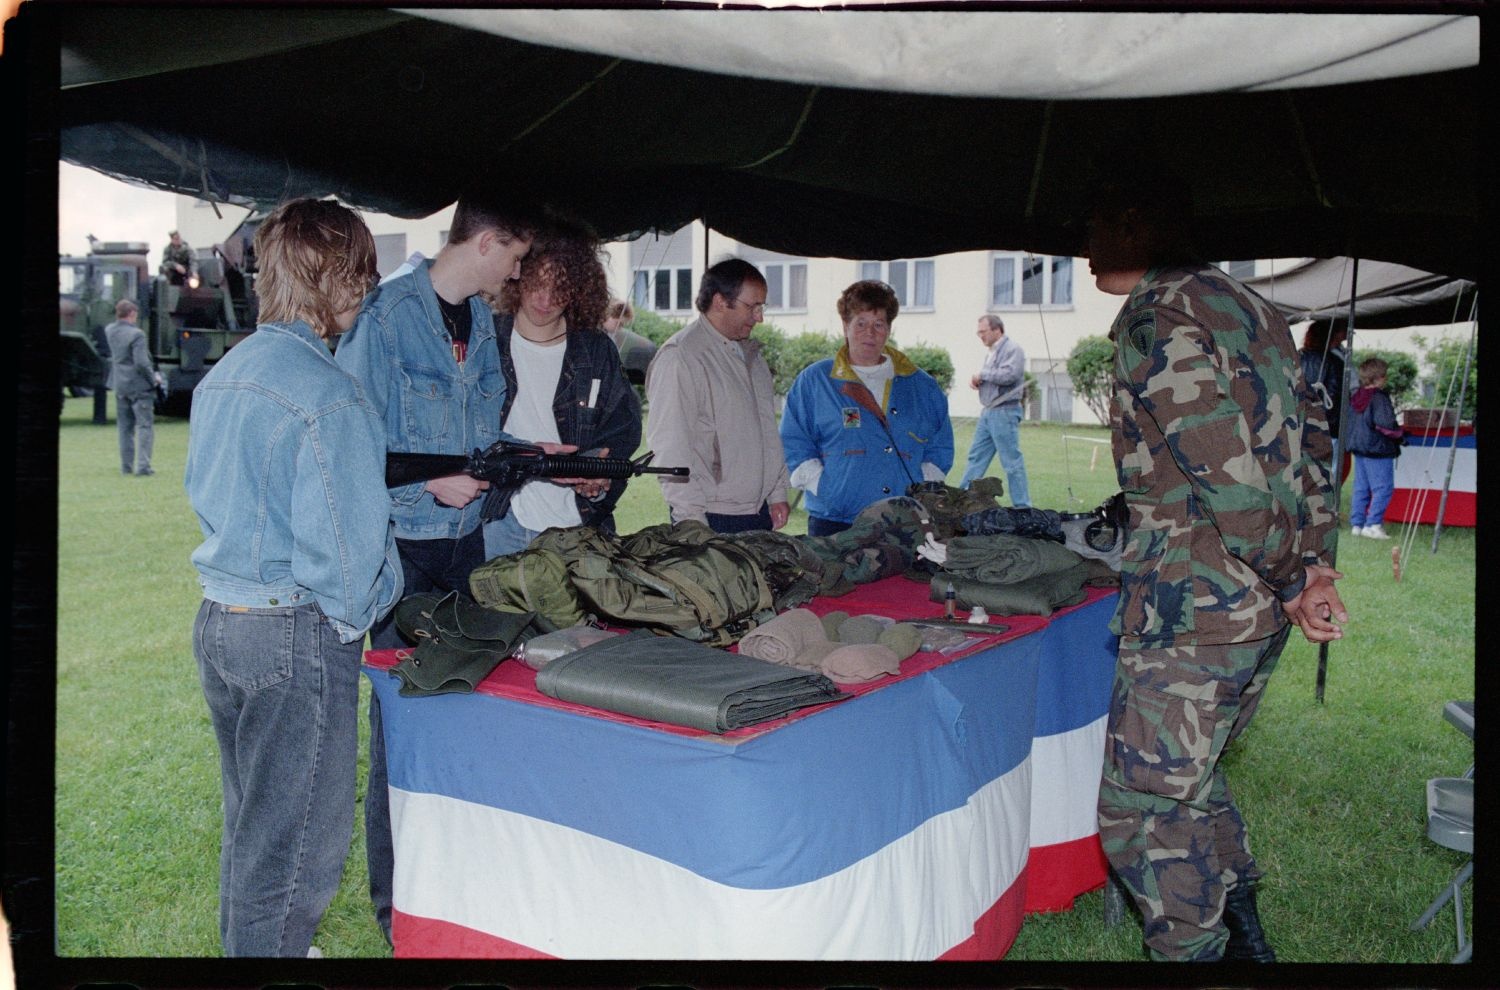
[{"x": 316, "y": 259}]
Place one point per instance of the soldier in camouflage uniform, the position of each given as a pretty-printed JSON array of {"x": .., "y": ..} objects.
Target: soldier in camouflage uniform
[
  {"x": 177, "y": 260},
  {"x": 1229, "y": 539}
]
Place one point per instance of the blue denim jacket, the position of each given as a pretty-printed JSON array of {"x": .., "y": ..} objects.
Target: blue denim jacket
[
  {"x": 400, "y": 351},
  {"x": 286, "y": 472}
]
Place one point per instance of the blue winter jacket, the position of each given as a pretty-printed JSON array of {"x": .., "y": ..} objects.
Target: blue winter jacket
[
  {"x": 286, "y": 472},
  {"x": 1374, "y": 431},
  {"x": 831, "y": 416},
  {"x": 401, "y": 352}
]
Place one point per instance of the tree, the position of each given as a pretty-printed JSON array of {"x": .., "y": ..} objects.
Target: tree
[
  {"x": 1091, "y": 366},
  {"x": 1448, "y": 358},
  {"x": 1400, "y": 375}
]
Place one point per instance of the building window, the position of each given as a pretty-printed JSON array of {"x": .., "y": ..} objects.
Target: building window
[
  {"x": 786, "y": 284},
  {"x": 1018, "y": 280},
  {"x": 914, "y": 281},
  {"x": 664, "y": 290}
]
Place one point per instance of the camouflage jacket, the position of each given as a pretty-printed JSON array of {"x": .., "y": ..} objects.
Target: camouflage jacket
[
  {"x": 1219, "y": 455},
  {"x": 182, "y": 255}
]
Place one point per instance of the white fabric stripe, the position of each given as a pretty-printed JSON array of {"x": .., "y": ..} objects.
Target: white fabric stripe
[
  {"x": 576, "y": 896},
  {"x": 1067, "y": 767},
  {"x": 1426, "y": 467}
]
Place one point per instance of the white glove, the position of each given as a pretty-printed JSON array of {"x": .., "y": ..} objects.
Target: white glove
[
  {"x": 806, "y": 476},
  {"x": 932, "y": 550}
]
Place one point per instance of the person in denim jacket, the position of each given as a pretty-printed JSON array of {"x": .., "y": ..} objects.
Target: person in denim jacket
[
  {"x": 563, "y": 383},
  {"x": 285, "y": 470},
  {"x": 424, "y": 350}
]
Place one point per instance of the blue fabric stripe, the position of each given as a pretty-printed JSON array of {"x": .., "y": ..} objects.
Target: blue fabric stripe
[{"x": 782, "y": 808}]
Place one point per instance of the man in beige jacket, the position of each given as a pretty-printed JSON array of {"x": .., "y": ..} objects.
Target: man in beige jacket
[{"x": 712, "y": 409}]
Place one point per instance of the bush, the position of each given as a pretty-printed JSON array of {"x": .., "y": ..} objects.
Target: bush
[
  {"x": 1400, "y": 376},
  {"x": 936, "y": 361},
  {"x": 798, "y": 353},
  {"x": 1447, "y": 359},
  {"x": 654, "y": 327},
  {"x": 1091, "y": 366}
]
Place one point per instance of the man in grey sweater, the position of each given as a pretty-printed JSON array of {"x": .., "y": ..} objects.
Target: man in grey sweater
[{"x": 1001, "y": 383}]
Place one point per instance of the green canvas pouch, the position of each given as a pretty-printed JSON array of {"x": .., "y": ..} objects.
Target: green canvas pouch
[{"x": 458, "y": 642}]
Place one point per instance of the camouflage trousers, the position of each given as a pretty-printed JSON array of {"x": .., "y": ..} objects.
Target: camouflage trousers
[{"x": 1167, "y": 820}]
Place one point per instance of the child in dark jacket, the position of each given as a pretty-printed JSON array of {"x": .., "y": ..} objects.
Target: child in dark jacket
[{"x": 1375, "y": 441}]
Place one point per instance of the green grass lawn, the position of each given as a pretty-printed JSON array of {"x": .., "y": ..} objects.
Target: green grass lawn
[{"x": 1333, "y": 792}]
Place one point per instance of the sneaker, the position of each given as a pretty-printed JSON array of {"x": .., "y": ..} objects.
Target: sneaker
[
  {"x": 143, "y": 472},
  {"x": 313, "y": 952},
  {"x": 1356, "y": 531},
  {"x": 1375, "y": 532}
]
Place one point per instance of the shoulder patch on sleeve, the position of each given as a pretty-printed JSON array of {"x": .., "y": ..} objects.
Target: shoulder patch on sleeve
[{"x": 1142, "y": 334}]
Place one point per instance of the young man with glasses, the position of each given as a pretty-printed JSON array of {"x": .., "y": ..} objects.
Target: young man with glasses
[{"x": 713, "y": 409}]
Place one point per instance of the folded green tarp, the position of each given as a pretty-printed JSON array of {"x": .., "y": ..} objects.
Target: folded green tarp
[{"x": 672, "y": 680}]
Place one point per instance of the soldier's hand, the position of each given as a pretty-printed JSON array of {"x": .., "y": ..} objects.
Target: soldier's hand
[
  {"x": 1319, "y": 611},
  {"x": 456, "y": 490}
]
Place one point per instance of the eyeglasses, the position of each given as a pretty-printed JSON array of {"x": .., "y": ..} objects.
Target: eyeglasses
[{"x": 753, "y": 307}]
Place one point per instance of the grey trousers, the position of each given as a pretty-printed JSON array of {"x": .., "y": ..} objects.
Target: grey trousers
[{"x": 137, "y": 420}]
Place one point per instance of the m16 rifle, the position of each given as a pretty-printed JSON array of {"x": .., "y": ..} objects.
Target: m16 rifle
[{"x": 509, "y": 465}]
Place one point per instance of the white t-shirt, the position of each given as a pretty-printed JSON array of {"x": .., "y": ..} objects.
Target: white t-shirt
[
  {"x": 876, "y": 377},
  {"x": 539, "y": 504}
]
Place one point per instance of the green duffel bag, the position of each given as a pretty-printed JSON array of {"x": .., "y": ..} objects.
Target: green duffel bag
[
  {"x": 534, "y": 580},
  {"x": 682, "y": 579}
]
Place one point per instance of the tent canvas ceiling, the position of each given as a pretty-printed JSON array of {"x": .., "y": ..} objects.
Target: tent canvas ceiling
[
  {"x": 856, "y": 133},
  {"x": 1386, "y": 295}
]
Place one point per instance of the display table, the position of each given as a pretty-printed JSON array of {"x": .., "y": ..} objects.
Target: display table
[
  {"x": 917, "y": 820},
  {"x": 1421, "y": 469}
]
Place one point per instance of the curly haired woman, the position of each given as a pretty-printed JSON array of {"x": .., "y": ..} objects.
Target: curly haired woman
[{"x": 563, "y": 383}]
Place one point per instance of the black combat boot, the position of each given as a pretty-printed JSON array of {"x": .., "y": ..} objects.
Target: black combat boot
[{"x": 1247, "y": 940}]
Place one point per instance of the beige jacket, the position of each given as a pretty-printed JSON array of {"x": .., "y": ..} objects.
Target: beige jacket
[{"x": 713, "y": 409}]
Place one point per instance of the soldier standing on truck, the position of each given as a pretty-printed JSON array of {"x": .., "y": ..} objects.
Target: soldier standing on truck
[{"x": 177, "y": 262}]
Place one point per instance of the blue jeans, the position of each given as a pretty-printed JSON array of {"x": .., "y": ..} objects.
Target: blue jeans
[
  {"x": 426, "y": 565},
  {"x": 283, "y": 696},
  {"x": 506, "y": 535},
  {"x": 1374, "y": 484},
  {"x": 998, "y": 432}
]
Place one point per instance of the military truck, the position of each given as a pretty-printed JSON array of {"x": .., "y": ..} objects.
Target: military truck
[{"x": 188, "y": 327}]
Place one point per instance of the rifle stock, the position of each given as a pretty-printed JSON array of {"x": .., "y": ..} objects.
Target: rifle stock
[{"x": 509, "y": 465}]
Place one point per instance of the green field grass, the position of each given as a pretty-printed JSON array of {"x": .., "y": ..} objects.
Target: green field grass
[{"x": 1333, "y": 792}]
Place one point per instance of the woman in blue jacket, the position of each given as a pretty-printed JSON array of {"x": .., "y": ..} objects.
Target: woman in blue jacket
[{"x": 867, "y": 423}]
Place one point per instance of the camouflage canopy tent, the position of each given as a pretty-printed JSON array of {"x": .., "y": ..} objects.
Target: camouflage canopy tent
[{"x": 851, "y": 133}]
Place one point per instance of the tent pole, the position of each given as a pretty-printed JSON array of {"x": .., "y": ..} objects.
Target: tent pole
[
  {"x": 1338, "y": 459},
  {"x": 1453, "y": 447}
]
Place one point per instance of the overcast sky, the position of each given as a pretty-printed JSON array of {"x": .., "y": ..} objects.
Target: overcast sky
[{"x": 89, "y": 202}]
